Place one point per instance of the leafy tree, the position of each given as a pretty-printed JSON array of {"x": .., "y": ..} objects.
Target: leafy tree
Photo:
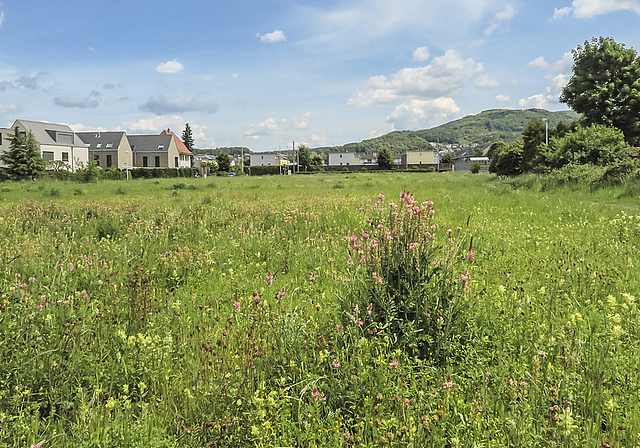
[
  {"x": 445, "y": 158},
  {"x": 605, "y": 86},
  {"x": 316, "y": 160},
  {"x": 187, "y": 137},
  {"x": 476, "y": 167},
  {"x": 508, "y": 161},
  {"x": 594, "y": 145},
  {"x": 304, "y": 156},
  {"x": 89, "y": 172},
  {"x": 495, "y": 148},
  {"x": 533, "y": 136},
  {"x": 224, "y": 164},
  {"x": 385, "y": 159},
  {"x": 23, "y": 158}
]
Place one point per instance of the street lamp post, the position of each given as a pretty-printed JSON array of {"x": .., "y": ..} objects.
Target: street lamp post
[
  {"x": 126, "y": 164},
  {"x": 546, "y": 131}
]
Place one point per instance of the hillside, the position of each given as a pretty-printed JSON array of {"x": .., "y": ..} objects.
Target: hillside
[{"x": 483, "y": 128}]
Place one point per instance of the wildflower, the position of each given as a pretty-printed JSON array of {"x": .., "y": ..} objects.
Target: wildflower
[
  {"x": 236, "y": 305},
  {"x": 39, "y": 307},
  {"x": 22, "y": 285},
  {"x": 282, "y": 292},
  {"x": 357, "y": 246},
  {"x": 269, "y": 279},
  {"x": 470, "y": 256},
  {"x": 365, "y": 236},
  {"x": 32, "y": 279},
  {"x": 353, "y": 238},
  {"x": 370, "y": 309},
  {"x": 350, "y": 261},
  {"x": 393, "y": 364},
  {"x": 374, "y": 244},
  {"x": 315, "y": 393},
  {"x": 313, "y": 277},
  {"x": 413, "y": 246},
  {"x": 256, "y": 297},
  {"x": 447, "y": 384},
  {"x": 37, "y": 445},
  {"x": 189, "y": 430},
  {"x": 85, "y": 295},
  {"x": 487, "y": 372},
  {"x": 356, "y": 309},
  {"x": 464, "y": 277},
  {"x": 381, "y": 196},
  {"x": 335, "y": 363}
]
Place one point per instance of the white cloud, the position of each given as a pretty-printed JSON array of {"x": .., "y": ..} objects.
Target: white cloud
[
  {"x": 445, "y": 75},
  {"x": 485, "y": 83},
  {"x": 414, "y": 114},
  {"x": 539, "y": 101},
  {"x": 303, "y": 123},
  {"x": 316, "y": 140},
  {"x": 560, "y": 73},
  {"x": 565, "y": 64},
  {"x": 538, "y": 63},
  {"x": 421, "y": 54},
  {"x": 180, "y": 102},
  {"x": 86, "y": 128},
  {"x": 267, "y": 127},
  {"x": 276, "y": 36},
  {"x": 585, "y": 9},
  {"x": 500, "y": 20},
  {"x": 90, "y": 101},
  {"x": 1, "y": 17},
  {"x": 502, "y": 98},
  {"x": 476, "y": 43},
  {"x": 170, "y": 67},
  {"x": 176, "y": 123},
  {"x": 7, "y": 108}
]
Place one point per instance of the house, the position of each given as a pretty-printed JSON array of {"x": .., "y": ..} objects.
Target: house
[
  {"x": 154, "y": 151},
  {"x": 185, "y": 157},
  {"x": 268, "y": 159},
  {"x": 465, "y": 163},
  {"x": 418, "y": 159},
  {"x": 341, "y": 158},
  {"x": 58, "y": 142},
  {"x": 369, "y": 159},
  {"x": 109, "y": 149}
]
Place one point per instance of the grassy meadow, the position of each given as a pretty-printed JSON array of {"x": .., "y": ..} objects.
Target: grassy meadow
[{"x": 312, "y": 311}]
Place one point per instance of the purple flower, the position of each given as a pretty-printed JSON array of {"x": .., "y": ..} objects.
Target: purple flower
[
  {"x": 370, "y": 309},
  {"x": 335, "y": 363},
  {"x": 236, "y": 305},
  {"x": 394, "y": 364},
  {"x": 256, "y": 297},
  {"x": 269, "y": 278},
  {"x": 313, "y": 277},
  {"x": 282, "y": 292},
  {"x": 470, "y": 256}
]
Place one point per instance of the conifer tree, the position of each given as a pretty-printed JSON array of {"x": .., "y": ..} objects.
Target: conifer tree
[
  {"x": 23, "y": 158},
  {"x": 187, "y": 137}
]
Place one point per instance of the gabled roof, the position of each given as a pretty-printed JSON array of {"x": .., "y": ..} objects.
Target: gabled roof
[
  {"x": 182, "y": 148},
  {"x": 50, "y": 133},
  {"x": 149, "y": 143},
  {"x": 102, "y": 138}
]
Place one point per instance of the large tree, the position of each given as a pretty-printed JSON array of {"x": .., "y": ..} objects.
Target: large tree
[
  {"x": 533, "y": 136},
  {"x": 605, "y": 86},
  {"x": 187, "y": 137},
  {"x": 385, "y": 159},
  {"x": 224, "y": 164},
  {"x": 23, "y": 158},
  {"x": 304, "y": 157}
]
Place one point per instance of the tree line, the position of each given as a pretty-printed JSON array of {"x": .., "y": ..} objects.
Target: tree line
[{"x": 605, "y": 89}]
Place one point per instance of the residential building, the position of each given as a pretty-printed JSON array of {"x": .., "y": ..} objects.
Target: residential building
[
  {"x": 154, "y": 151},
  {"x": 185, "y": 157},
  {"x": 418, "y": 159},
  {"x": 268, "y": 159},
  {"x": 341, "y": 159},
  {"x": 109, "y": 149},
  {"x": 4, "y": 142},
  {"x": 57, "y": 142},
  {"x": 369, "y": 159}
]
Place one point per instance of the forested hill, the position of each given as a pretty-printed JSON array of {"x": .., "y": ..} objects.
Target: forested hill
[{"x": 486, "y": 127}]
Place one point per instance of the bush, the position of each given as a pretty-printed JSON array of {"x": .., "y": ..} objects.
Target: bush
[{"x": 476, "y": 167}]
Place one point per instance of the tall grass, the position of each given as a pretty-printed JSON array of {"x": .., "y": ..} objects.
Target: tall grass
[{"x": 229, "y": 314}]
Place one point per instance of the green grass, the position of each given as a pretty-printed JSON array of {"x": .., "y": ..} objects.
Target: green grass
[{"x": 142, "y": 313}]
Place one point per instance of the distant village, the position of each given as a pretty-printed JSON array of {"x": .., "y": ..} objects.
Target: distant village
[{"x": 65, "y": 149}]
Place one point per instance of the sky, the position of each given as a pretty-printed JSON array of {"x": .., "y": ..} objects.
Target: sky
[{"x": 266, "y": 73}]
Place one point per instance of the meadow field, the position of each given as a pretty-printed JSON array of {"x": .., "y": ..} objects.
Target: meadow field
[{"x": 345, "y": 310}]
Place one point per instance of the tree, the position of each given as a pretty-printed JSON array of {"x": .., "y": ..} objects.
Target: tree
[
  {"x": 595, "y": 145},
  {"x": 316, "y": 160},
  {"x": 304, "y": 156},
  {"x": 23, "y": 158},
  {"x": 508, "y": 161},
  {"x": 446, "y": 158},
  {"x": 224, "y": 164},
  {"x": 187, "y": 137},
  {"x": 385, "y": 159},
  {"x": 533, "y": 136},
  {"x": 605, "y": 86},
  {"x": 495, "y": 148}
]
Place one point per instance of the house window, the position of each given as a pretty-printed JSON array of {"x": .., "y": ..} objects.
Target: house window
[
  {"x": 47, "y": 155},
  {"x": 65, "y": 137},
  {"x": 157, "y": 161},
  {"x": 177, "y": 162},
  {"x": 108, "y": 160},
  {"x": 341, "y": 156},
  {"x": 98, "y": 145},
  {"x": 0, "y": 138},
  {"x": 22, "y": 134},
  {"x": 145, "y": 162},
  {"x": 160, "y": 147},
  {"x": 109, "y": 145},
  {"x": 65, "y": 156}
]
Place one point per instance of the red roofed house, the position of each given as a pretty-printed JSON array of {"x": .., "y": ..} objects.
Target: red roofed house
[{"x": 185, "y": 156}]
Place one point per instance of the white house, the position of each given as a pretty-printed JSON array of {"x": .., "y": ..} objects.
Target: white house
[
  {"x": 57, "y": 142},
  {"x": 268, "y": 159},
  {"x": 341, "y": 158}
]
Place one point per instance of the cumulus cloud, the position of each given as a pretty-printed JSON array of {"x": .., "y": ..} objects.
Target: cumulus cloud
[
  {"x": 177, "y": 103},
  {"x": 315, "y": 141},
  {"x": 502, "y": 98},
  {"x": 90, "y": 101},
  {"x": 565, "y": 64},
  {"x": 501, "y": 21},
  {"x": 413, "y": 114},
  {"x": 539, "y": 101},
  {"x": 24, "y": 82},
  {"x": 267, "y": 127},
  {"x": 585, "y": 9},
  {"x": 176, "y": 123},
  {"x": 485, "y": 83},
  {"x": 421, "y": 54},
  {"x": 1, "y": 17},
  {"x": 79, "y": 127},
  {"x": 445, "y": 75},
  {"x": 302, "y": 123},
  {"x": 559, "y": 74},
  {"x": 110, "y": 86},
  {"x": 276, "y": 36},
  {"x": 476, "y": 43},
  {"x": 170, "y": 67},
  {"x": 538, "y": 63}
]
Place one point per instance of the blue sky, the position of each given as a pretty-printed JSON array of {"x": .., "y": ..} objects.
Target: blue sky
[{"x": 265, "y": 73}]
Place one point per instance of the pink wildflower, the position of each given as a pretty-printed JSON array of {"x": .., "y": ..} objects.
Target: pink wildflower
[
  {"x": 353, "y": 238},
  {"x": 464, "y": 277},
  {"x": 393, "y": 364},
  {"x": 315, "y": 393},
  {"x": 335, "y": 364},
  {"x": 37, "y": 445},
  {"x": 370, "y": 309},
  {"x": 381, "y": 196},
  {"x": 487, "y": 372},
  {"x": 269, "y": 278},
  {"x": 32, "y": 279},
  {"x": 313, "y": 277},
  {"x": 413, "y": 246},
  {"x": 447, "y": 385},
  {"x": 470, "y": 256},
  {"x": 236, "y": 305},
  {"x": 39, "y": 307},
  {"x": 256, "y": 297},
  {"x": 350, "y": 261},
  {"x": 282, "y": 292},
  {"x": 365, "y": 236}
]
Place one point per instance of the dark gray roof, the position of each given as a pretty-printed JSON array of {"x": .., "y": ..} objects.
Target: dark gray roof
[
  {"x": 102, "y": 138},
  {"x": 48, "y": 133},
  {"x": 149, "y": 143}
]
